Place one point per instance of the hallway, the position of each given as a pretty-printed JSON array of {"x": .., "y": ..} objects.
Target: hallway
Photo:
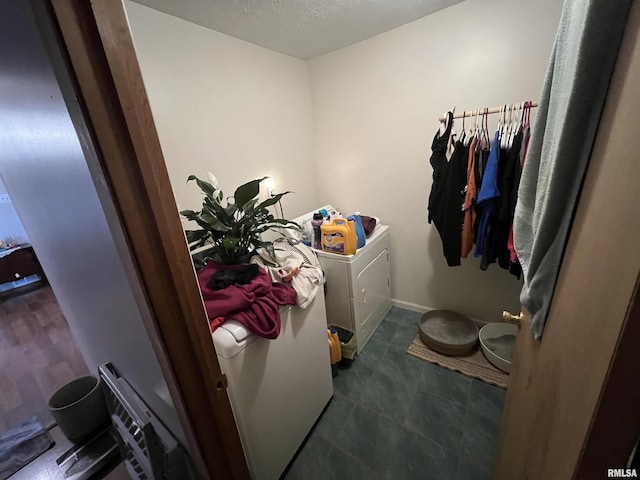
[{"x": 37, "y": 356}]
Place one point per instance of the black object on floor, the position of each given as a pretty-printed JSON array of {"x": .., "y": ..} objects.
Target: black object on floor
[
  {"x": 21, "y": 445},
  {"x": 81, "y": 461},
  {"x": 347, "y": 344}
]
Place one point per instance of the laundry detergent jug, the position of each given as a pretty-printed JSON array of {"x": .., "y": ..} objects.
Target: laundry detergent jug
[
  {"x": 339, "y": 236},
  {"x": 362, "y": 238}
]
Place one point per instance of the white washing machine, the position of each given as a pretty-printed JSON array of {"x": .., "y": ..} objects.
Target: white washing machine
[
  {"x": 277, "y": 388},
  {"x": 359, "y": 285}
]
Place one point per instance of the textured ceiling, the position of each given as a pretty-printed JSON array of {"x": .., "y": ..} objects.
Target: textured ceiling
[{"x": 301, "y": 28}]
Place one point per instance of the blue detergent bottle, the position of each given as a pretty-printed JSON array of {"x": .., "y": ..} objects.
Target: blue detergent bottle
[{"x": 362, "y": 238}]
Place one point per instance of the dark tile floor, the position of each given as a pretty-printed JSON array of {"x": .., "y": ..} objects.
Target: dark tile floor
[{"x": 394, "y": 416}]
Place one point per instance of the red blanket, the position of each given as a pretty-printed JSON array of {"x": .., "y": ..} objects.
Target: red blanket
[{"x": 256, "y": 305}]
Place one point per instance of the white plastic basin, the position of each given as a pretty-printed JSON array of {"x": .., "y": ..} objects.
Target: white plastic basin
[{"x": 497, "y": 341}]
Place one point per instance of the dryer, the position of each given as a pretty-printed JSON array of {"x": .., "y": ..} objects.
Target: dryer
[{"x": 358, "y": 293}]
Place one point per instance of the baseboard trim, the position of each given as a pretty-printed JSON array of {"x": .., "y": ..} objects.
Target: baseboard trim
[{"x": 414, "y": 307}]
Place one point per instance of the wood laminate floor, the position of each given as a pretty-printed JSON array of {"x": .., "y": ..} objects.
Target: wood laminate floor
[{"x": 38, "y": 355}]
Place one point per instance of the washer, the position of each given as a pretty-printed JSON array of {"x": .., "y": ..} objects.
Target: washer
[{"x": 277, "y": 388}]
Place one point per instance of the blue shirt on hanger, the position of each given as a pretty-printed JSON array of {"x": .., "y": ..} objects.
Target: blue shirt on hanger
[{"x": 488, "y": 191}]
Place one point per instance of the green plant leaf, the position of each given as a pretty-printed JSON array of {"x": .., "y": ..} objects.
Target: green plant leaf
[
  {"x": 248, "y": 207},
  {"x": 270, "y": 249},
  {"x": 195, "y": 217},
  {"x": 193, "y": 241},
  {"x": 246, "y": 192},
  {"x": 197, "y": 245},
  {"x": 288, "y": 223},
  {"x": 219, "y": 212},
  {"x": 231, "y": 209},
  {"x": 230, "y": 242},
  {"x": 196, "y": 235},
  {"x": 273, "y": 200},
  {"x": 214, "y": 223},
  {"x": 187, "y": 213},
  {"x": 261, "y": 229},
  {"x": 234, "y": 228},
  {"x": 257, "y": 243},
  {"x": 206, "y": 187}
]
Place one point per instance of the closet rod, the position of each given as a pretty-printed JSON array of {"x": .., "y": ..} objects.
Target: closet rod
[{"x": 472, "y": 113}]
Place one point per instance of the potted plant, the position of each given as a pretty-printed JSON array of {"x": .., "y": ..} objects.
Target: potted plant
[{"x": 233, "y": 226}]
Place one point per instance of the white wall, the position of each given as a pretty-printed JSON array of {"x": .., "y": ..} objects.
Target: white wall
[
  {"x": 376, "y": 105},
  {"x": 11, "y": 229},
  {"x": 225, "y": 105},
  {"x": 352, "y": 128}
]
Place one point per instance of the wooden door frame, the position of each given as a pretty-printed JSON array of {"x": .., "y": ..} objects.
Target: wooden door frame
[{"x": 96, "y": 39}]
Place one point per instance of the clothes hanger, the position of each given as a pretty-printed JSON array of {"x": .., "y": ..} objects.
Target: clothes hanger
[
  {"x": 481, "y": 128},
  {"x": 445, "y": 124},
  {"x": 463, "y": 135},
  {"x": 472, "y": 129},
  {"x": 454, "y": 133},
  {"x": 511, "y": 125},
  {"x": 475, "y": 124},
  {"x": 469, "y": 133},
  {"x": 504, "y": 139},
  {"x": 485, "y": 127},
  {"x": 501, "y": 121},
  {"x": 452, "y": 136},
  {"x": 517, "y": 123},
  {"x": 512, "y": 109},
  {"x": 520, "y": 117},
  {"x": 521, "y": 114},
  {"x": 479, "y": 133}
]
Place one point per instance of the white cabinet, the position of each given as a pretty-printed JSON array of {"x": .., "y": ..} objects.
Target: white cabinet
[{"x": 359, "y": 286}]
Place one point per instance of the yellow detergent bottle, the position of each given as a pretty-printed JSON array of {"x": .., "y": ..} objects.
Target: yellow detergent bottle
[
  {"x": 335, "y": 350},
  {"x": 339, "y": 236}
]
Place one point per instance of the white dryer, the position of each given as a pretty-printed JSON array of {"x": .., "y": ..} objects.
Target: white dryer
[
  {"x": 277, "y": 388},
  {"x": 359, "y": 285}
]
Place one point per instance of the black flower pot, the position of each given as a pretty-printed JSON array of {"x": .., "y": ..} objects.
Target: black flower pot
[{"x": 234, "y": 261}]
